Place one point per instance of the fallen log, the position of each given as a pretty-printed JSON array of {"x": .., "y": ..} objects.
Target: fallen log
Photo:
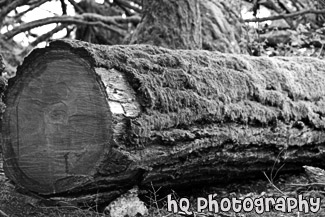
[{"x": 84, "y": 118}]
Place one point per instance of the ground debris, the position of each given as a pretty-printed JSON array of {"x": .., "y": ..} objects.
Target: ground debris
[
  {"x": 315, "y": 174},
  {"x": 127, "y": 205}
]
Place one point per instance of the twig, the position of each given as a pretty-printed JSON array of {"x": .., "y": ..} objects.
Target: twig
[
  {"x": 79, "y": 20},
  {"x": 5, "y": 10},
  {"x": 284, "y": 16},
  {"x": 277, "y": 171},
  {"x": 273, "y": 184},
  {"x": 64, "y": 7},
  {"x": 42, "y": 38},
  {"x": 277, "y": 157},
  {"x": 132, "y": 19},
  {"x": 76, "y": 6},
  {"x": 155, "y": 195},
  {"x": 2, "y": 214},
  {"x": 283, "y": 6},
  {"x": 69, "y": 30},
  {"x": 308, "y": 184},
  {"x": 98, "y": 17},
  {"x": 111, "y": 19},
  {"x": 32, "y": 7},
  {"x": 127, "y": 5}
]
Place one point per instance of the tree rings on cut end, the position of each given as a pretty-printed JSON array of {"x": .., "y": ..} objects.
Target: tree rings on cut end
[{"x": 57, "y": 124}]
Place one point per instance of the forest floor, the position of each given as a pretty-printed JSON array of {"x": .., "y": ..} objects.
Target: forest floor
[{"x": 14, "y": 204}]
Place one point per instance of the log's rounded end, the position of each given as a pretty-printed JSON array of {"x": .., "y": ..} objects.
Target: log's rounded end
[{"x": 57, "y": 123}]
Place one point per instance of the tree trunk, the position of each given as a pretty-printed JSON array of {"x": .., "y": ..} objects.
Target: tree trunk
[
  {"x": 222, "y": 29},
  {"x": 174, "y": 24},
  {"x": 85, "y": 118},
  {"x": 209, "y": 25}
]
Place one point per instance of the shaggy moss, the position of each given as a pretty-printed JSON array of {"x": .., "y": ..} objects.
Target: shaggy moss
[{"x": 179, "y": 87}]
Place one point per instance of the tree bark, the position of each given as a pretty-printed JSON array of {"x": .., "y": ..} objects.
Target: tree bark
[
  {"x": 85, "y": 118},
  {"x": 206, "y": 24},
  {"x": 222, "y": 29},
  {"x": 174, "y": 24}
]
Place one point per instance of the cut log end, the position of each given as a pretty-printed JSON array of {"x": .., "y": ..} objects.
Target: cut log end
[{"x": 57, "y": 123}]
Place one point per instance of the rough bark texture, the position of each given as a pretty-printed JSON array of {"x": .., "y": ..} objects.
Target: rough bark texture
[
  {"x": 174, "y": 24},
  {"x": 176, "y": 118},
  {"x": 221, "y": 26},
  {"x": 213, "y": 25}
]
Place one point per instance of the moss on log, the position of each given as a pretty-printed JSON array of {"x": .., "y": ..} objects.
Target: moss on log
[{"x": 84, "y": 118}]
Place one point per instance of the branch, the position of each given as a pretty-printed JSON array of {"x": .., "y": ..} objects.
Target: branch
[
  {"x": 104, "y": 19},
  {"x": 283, "y": 6},
  {"x": 79, "y": 20},
  {"x": 42, "y": 38},
  {"x": 69, "y": 30},
  {"x": 5, "y": 10},
  {"x": 76, "y": 6},
  {"x": 2, "y": 214},
  {"x": 127, "y": 11},
  {"x": 114, "y": 20},
  {"x": 47, "y": 35},
  {"x": 284, "y": 16},
  {"x": 32, "y": 2},
  {"x": 132, "y": 19},
  {"x": 127, "y": 5},
  {"x": 64, "y": 7},
  {"x": 32, "y": 7}
]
